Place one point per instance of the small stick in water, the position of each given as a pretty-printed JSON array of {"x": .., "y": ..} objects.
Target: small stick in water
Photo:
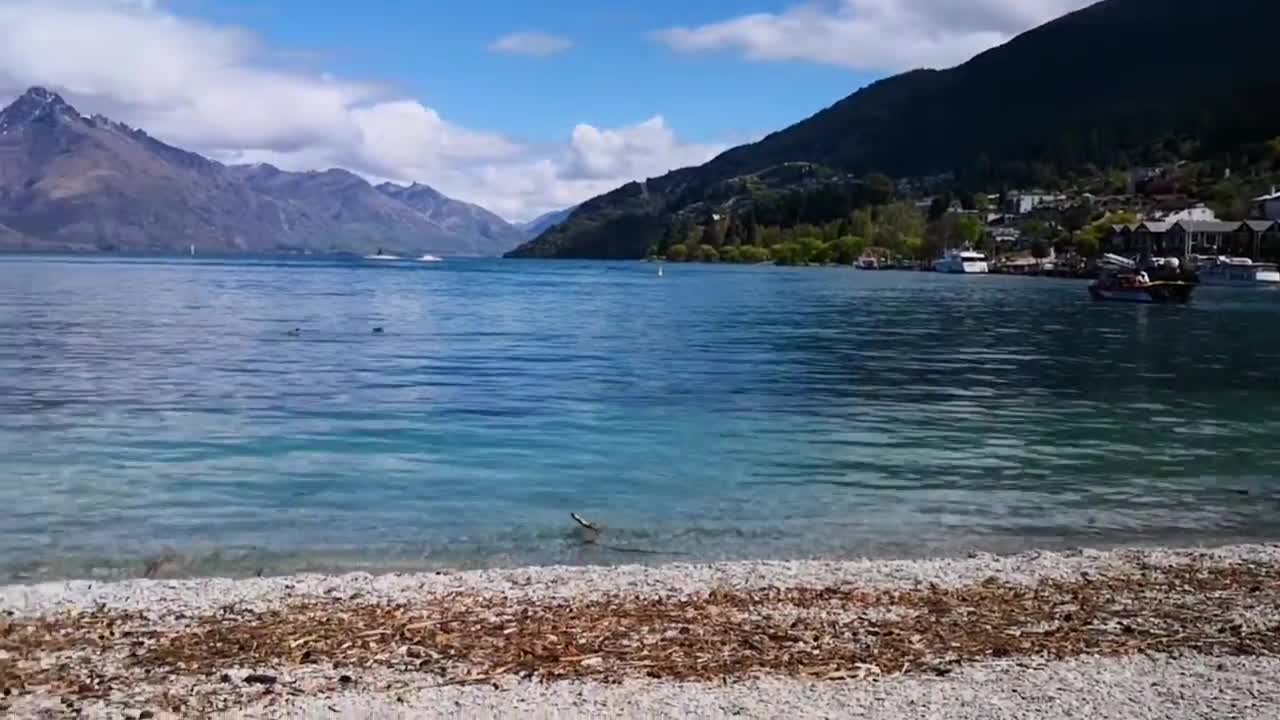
[
  {"x": 578, "y": 519},
  {"x": 592, "y": 531}
]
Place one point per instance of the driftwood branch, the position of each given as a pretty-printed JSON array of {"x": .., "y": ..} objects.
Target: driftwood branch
[{"x": 578, "y": 519}]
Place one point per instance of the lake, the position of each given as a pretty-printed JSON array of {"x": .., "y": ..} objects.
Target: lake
[{"x": 161, "y": 406}]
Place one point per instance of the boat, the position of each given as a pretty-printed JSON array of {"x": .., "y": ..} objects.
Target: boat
[
  {"x": 430, "y": 258},
  {"x": 1135, "y": 287},
  {"x": 1239, "y": 271},
  {"x": 868, "y": 262},
  {"x": 380, "y": 255},
  {"x": 962, "y": 262}
]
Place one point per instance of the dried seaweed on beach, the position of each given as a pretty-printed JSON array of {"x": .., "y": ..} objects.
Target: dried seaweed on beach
[
  {"x": 813, "y": 632},
  {"x": 820, "y": 633}
]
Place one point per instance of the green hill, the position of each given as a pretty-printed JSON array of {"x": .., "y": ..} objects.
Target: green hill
[{"x": 1117, "y": 84}]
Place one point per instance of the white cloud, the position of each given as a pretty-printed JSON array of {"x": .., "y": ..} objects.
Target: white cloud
[
  {"x": 534, "y": 44},
  {"x": 213, "y": 89},
  {"x": 873, "y": 35},
  {"x": 595, "y": 161}
]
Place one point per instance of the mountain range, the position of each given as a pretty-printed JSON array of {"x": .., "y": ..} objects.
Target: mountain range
[
  {"x": 70, "y": 182},
  {"x": 1109, "y": 86},
  {"x": 545, "y": 222}
]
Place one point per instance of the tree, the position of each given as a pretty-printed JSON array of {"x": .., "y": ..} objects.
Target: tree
[
  {"x": 954, "y": 231},
  {"x": 678, "y": 253},
  {"x": 1076, "y": 217},
  {"x": 896, "y": 224},
  {"x": 734, "y": 232},
  {"x": 753, "y": 233},
  {"x": 880, "y": 189},
  {"x": 823, "y": 254},
  {"x": 981, "y": 202},
  {"x": 667, "y": 240},
  {"x": 969, "y": 231},
  {"x": 1039, "y": 249},
  {"x": 730, "y": 254},
  {"x": 848, "y": 249},
  {"x": 862, "y": 224},
  {"x": 1035, "y": 229},
  {"x": 1271, "y": 153},
  {"x": 1228, "y": 200},
  {"x": 831, "y": 231},
  {"x": 810, "y": 249},
  {"x": 709, "y": 254},
  {"x": 1087, "y": 245},
  {"x": 939, "y": 206},
  {"x": 914, "y": 248},
  {"x": 786, "y": 253},
  {"x": 712, "y": 233},
  {"x": 1088, "y": 242}
]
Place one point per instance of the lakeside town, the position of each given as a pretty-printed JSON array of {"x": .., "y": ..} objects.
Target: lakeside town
[
  {"x": 1072, "y": 232},
  {"x": 1131, "y": 226}
]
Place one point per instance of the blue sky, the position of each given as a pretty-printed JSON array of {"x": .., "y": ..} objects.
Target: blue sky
[
  {"x": 616, "y": 73},
  {"x": 521, "y": 106}
]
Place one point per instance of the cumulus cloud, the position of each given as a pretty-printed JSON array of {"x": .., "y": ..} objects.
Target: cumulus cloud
[
  {"x": 534, "y": 44},
  {"x": 872, "y": 35},
  {"x": 214, "y": 89}
]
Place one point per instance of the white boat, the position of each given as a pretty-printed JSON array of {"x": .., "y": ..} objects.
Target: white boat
[
  {"x": 868, "y": 262},
  {"x": 1239, "y": 271},
  {"x": 962, "y": 262},
  {"x": 430, "y": 258}
]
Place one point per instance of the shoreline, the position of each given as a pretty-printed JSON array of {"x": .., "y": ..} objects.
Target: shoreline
[
  {"x": 667, "y": 640},
  {"x": 568, "y": 581}
]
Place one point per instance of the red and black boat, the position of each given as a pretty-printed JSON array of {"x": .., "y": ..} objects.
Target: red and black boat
[{"x": 1136, "y": 287}]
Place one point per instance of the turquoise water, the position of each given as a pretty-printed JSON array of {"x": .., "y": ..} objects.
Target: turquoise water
[{"x": 151, "y": 407}]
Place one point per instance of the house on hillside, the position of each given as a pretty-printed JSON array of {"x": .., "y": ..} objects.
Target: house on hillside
[
  {"x": 1005, "y": 237},
  {"x": 1023, "y": 203},
  {"x": 1199, "y": 237},
  {"x": 1150, "y": 237},
  {"x": 1146, "y": 174},
  {"x": 1257, "y": 239},
  {"x": 1196, "y": 213},
  {"x": 1267, "y": 207},
  {"x": 1119, "y": 240}
]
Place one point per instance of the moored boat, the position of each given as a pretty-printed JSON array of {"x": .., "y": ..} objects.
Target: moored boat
[
  {"x": 1243, "y": 272},
  {"x": 962, "y": 261},
  {"x": 1136, "y": 287}
]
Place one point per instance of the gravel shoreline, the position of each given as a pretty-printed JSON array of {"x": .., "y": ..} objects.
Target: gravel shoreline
[
  {"x": 671, "y": 580},
  {"x": 1122, "y": 633},
  {"x": 1196, "y": 688}
]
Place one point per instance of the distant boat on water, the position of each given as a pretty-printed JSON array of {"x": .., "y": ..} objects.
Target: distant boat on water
[
  {"x": 961, "y": 262},
  {"x": 1130, "y": 286},
  {"x": 380, "y": 255},
  {"x": 429, "y": 258}
]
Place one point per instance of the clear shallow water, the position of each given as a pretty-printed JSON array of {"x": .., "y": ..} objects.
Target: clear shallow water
[{"x": 160, "y": 406}]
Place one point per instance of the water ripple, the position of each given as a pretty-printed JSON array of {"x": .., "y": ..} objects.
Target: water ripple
[{"x": 154, "y": 405}]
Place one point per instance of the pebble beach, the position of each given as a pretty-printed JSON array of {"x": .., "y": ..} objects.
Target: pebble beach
[{"x": 1106, "y": 634}]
